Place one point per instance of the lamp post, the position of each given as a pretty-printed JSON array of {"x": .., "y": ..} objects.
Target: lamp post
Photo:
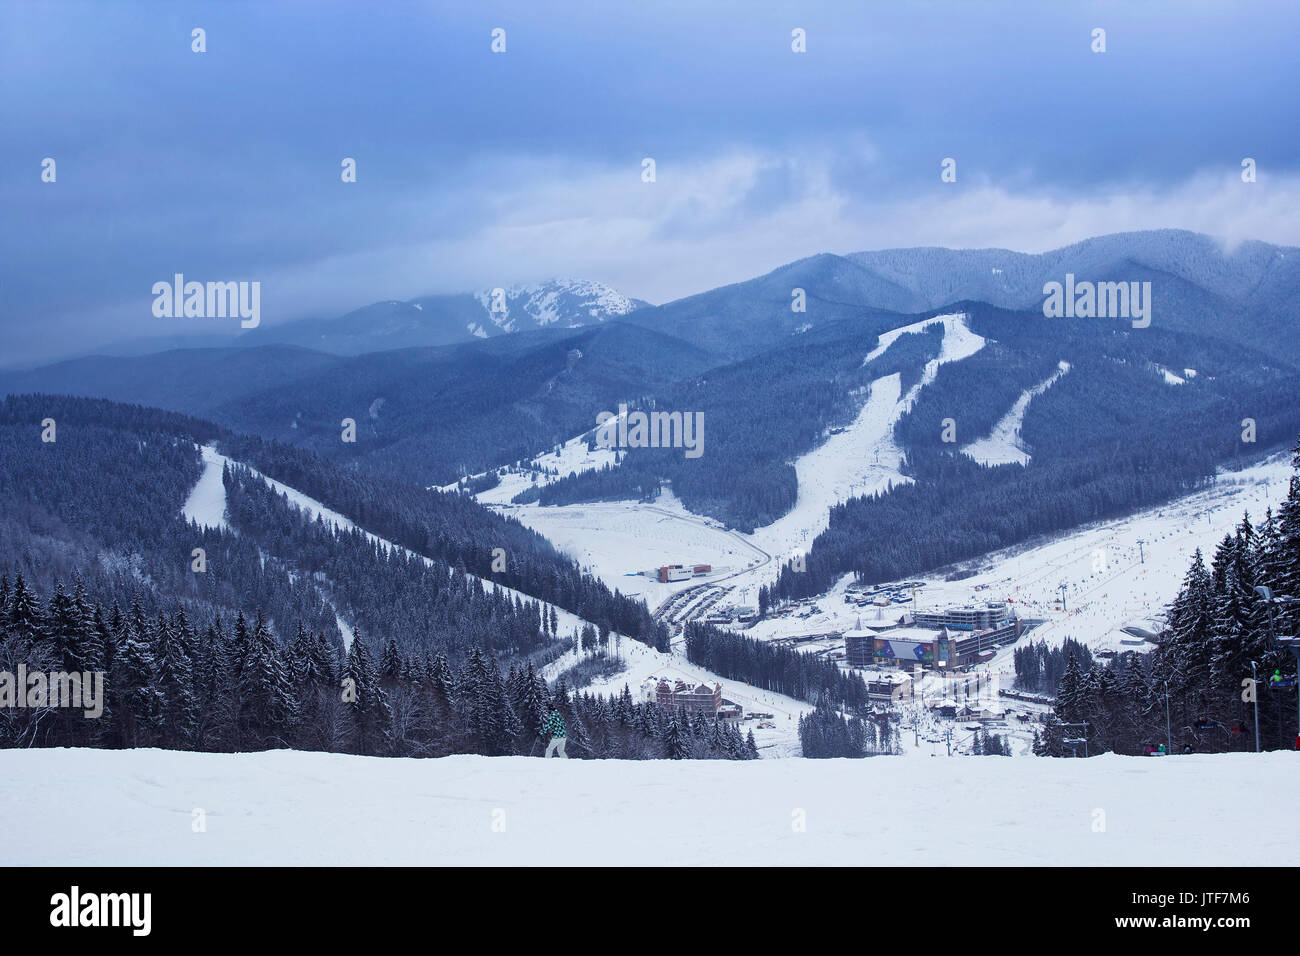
[
  {"x": 1169, "y": 739},
  {"x": 1255, "y": 693}
]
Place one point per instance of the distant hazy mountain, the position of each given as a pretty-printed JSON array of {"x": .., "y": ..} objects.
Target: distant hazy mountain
[
  {"x": 450, "y": 319},
  {"x": 1250, "y": 295},
  {"x": 428, "y": 415}
]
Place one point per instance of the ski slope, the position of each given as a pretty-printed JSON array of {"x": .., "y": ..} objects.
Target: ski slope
[
  {"x": 1110, "y": 580},
  {"x": 207, "y": 501},
  {"x": 207, "y": 505},
  {"x": 1002, "y": 446},
  {"x": 864, "y": 458},
  {"x": 614, "y": 539},
  {"x": 296, "y": 808}
]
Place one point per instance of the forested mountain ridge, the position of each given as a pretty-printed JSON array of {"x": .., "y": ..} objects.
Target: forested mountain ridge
[
  {"x": 102, "y": 502},
  {"x": 1111, "y": 436},
  {"x": 760, "y": 414},
  {"x": 427, "y": 416},
  {"x": 1249, "y": 294}
]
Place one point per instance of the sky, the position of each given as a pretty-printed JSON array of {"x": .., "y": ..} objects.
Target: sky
[{"x": 477, "y": 169}]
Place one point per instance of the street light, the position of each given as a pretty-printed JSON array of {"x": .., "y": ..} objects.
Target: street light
[
  {"x": 1169, "y": 740},
  {"x": 1254, "y": 686}
]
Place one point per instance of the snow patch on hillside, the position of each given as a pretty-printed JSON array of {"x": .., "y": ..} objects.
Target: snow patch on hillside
[
  {"x": 1002, "y": 446},
  {"x": 547, "y": 303},
  {"x": 573, "y": 457},
  {"x": 1169, "y": 377},
  {"x": 284, "y": 807}
]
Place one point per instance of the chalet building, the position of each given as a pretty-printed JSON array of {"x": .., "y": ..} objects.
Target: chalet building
[
  {"x": 888, "y": 687},
  {"x": 689, "y": 697}
]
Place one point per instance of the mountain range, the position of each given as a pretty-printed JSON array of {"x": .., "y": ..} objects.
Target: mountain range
[{"x": 772, "y": 381}]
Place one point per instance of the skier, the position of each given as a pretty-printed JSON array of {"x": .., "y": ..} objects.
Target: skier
[{"x": 554, "y": 728}]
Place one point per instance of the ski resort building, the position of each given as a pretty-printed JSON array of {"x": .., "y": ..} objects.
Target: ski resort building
[
  {"x": 973, "y": 617},
  {"x": 692, "y": 698},
  {"x": 889, "y": 687},
  {"x": 681, "y": 572},
  {"x": 907, "y": 646}
]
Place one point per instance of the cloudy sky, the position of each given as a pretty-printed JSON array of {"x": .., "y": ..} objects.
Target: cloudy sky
[{"x": 478, "y": 169}]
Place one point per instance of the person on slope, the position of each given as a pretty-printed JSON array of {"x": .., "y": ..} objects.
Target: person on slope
[{"x": 553, "y": 727}]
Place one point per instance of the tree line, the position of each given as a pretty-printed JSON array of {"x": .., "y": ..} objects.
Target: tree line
[
  {"x": 231, "y": 687},
  {"x": 1193, "y": 692}
]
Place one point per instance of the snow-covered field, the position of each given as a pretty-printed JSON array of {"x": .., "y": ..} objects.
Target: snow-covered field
[
  {"x": 620, "y": 538},
  {"x": 294, "y": 808}
]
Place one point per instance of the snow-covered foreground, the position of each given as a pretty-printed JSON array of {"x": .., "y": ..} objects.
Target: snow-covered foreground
[{"x": 287, "y": 807}]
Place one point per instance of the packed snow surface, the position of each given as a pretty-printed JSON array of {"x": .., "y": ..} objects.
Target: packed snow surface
[
  {"x": 295, "y": 808},
  {"x": 207, "y": 502}
]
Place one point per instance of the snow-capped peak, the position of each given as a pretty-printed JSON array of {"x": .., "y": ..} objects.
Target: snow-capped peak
[{"x": 566, "y": 302}]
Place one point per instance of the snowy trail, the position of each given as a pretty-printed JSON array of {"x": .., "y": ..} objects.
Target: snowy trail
[
  {"x": 864, "y": 459},
  {"x": 203, "y": 502},
  {"x": 295, "y": 808},
  {"x": 1002, "y": 446},
  {"x": 207, "y": 502}
]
